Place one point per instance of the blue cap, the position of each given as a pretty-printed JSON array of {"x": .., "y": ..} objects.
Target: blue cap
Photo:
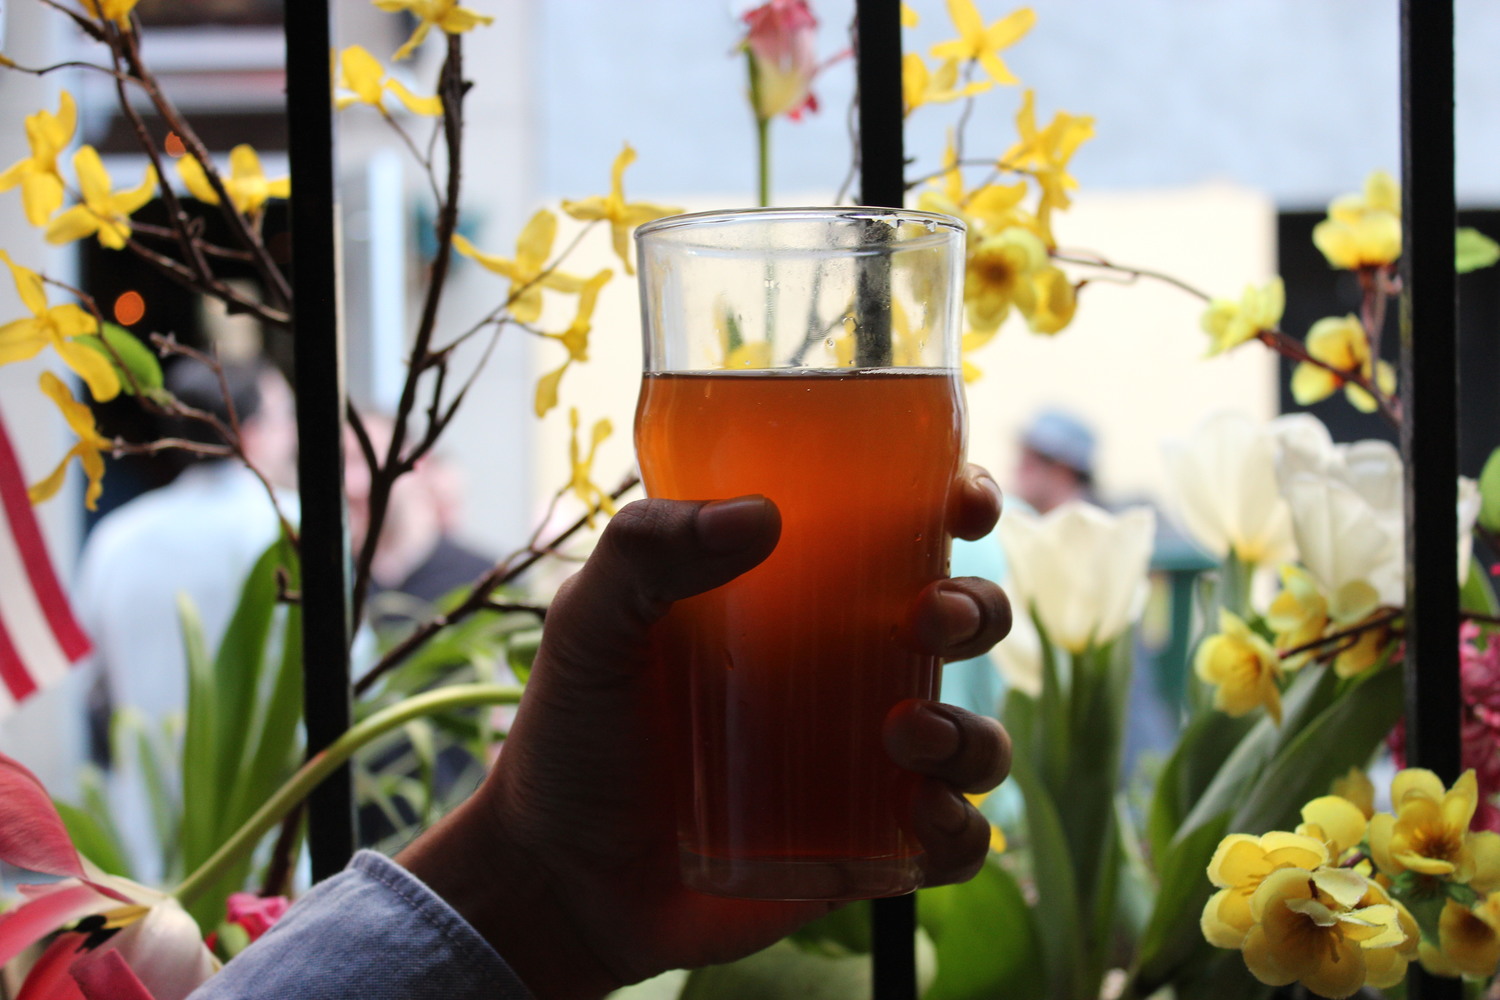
[{"x": 1063, "y": 438}]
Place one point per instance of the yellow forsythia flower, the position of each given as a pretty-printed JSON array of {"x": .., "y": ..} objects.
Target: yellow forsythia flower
[
  {"x": 1363, "y": 230},
  {"x": 1047, "y": 299},
  {"x": 57, "y": 326},
  {"x": 1342, "y": 343},
  {"x": 997, "y": 267},
  {"x": 575, "y": 338},
  {"x": 984, "y": 44},
  {"x": 362, "y": 75},
  {"x": 1243, "y": 668},
  {"x": 1429, "y": 833},
  {"x": 1332, "y": 929},
  {"x": 1045, "y": 153},
  {"x": 1239, "y": 865},
  {"x": 247, "y": 184},
  {"x": 1367, "y": 649},
  {"x": 595, "y": 498},
  {"x": 1232, "y": 323},
  {"x": 527, "y": 271},
  {"x": 41, "y": 183},
  {"x": 1298, "y": 614},
  {"x": 919, "y": 87},
  {"x": 446, "y": 15},
  {"x": 117, "y": 11},
  {"x": 622, "y": 217},
  {"x": 102, "y": 213},
  {"x": 89, "y": 450}
]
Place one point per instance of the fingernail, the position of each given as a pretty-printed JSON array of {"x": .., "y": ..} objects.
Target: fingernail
[
  {"x": 935, "y": 735},
  {"x": 950, "y": 813},
  {"x": 730, "y": 525},
  {"x": 961, "y": 616}
]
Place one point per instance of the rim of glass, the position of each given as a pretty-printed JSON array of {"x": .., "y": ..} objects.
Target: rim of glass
[{"x": 940, "y": 227}]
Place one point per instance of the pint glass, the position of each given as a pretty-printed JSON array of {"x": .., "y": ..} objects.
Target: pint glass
[{"x": 811, "y": 356}]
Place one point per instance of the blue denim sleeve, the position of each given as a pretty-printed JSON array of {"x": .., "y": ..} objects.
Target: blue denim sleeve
[{"x": 372, "y": 932}]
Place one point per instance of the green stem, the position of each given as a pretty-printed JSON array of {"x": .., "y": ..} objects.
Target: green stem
[
  {"x": 763, "y": 144},
  {"x": 320, "y": 766}
]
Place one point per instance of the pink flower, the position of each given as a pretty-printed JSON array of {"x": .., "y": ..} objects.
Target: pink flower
[
  {"x": 255, "y": 913},
  {"x": 120, "y": 940},
  {"x": 1479, "y": 665},
  {"x": 783, "y": 58}
]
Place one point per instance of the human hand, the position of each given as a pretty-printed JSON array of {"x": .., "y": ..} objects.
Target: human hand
[{"x": 566, "y": 859}]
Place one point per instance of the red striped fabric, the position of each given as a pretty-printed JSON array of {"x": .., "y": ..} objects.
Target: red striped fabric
[{"x": 39, "y": 637}]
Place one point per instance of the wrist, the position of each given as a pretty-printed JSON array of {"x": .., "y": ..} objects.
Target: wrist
[{"x": 510, "y": 900}]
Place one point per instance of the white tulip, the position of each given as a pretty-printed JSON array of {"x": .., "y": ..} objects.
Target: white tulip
[
  {"x": 1080, "y": 569},
  {"x": 1469, "y": 502},
  {"x": 1019, "y": 655},
  {"x": 1222, "y": 485}
]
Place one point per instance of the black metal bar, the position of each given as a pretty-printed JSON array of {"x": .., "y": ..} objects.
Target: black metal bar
[
  {"x": 1429, "y": 396},
  {"x": 319, "y": 358},
  {"x": 883, "y": 182}
]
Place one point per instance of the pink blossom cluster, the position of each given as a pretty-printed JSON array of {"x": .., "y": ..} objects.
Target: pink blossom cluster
[{"x": 1479, "y": 671}]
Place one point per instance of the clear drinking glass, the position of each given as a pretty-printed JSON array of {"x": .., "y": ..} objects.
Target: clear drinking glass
[{"x": 812, "y": 356}]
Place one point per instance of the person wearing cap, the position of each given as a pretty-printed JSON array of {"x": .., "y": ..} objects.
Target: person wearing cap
[{"x": 1057, "y": 461}]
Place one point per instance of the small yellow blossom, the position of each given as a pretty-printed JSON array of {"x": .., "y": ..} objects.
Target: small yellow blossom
[
  {"x": 1429, "y": 832},
  {"x": 1298, "y": 614},
  {"x": 247, "y": 184},
  {"x": 1320, "y": 928},
  {"x": 446, "y": 15},
  {"x": 1047, "y": 299},
  {"x": 102, "y": 213},
  {"x": 997, "y": 268},
  {"x": 1469, "y": 940},
  {"x": 622, "y": 217},
  {"x": 527, "y": 271},
  {"x": 1335, "y": 821},
  {"x": 361, "y": 74},
  {"x": 89, "y": 450},
  {"x": 575, "y": 338},
  {"x": 1367, "y": 649},
  {"x": 1240, "y": 864},
  {"x": 1342, "y": 343},
  {"x": 41, "y": 183},
  {"x": 997, "y": 836},
  {"x": 1363, "y": 230},
  {"x": 1232, "y": 323},
  {"x": 919, "y": 86},
  {"x": 973, "y": 341},
  {"x": 1242, "y": 666},
  {"x": 57, "y": 326},
  {"x": 595, "y": 498},
  {"x": 909, "y": 17},
  {"x": 117, "y": 11},
  {"x": 984, "y": 44},
  {"x": 1045, "y": 154}
]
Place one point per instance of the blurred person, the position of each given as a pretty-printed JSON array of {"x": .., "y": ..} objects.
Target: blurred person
[
  {"x": 198, "y": 537},
  {"x": 417, "y": 554},
  {"x": 1056, "y": 462}
]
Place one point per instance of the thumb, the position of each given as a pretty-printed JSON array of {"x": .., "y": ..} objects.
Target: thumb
[{"x": 652, "y": 553}]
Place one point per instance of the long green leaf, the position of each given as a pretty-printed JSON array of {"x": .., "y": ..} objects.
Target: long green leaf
[
  {"x": 987, "y": 945},
  {"x": 1205, "y": 744},
  {"x": 1172, "y": 935},
  {"x": 94, "y": 838},
  {"x": 199, "y": 763},
  {"x": 1057, "y": 892}
]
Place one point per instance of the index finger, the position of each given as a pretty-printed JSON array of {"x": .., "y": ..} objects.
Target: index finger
[{"x": 976, "y": 503}]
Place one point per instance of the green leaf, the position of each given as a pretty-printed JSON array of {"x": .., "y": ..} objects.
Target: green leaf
[
  {"x": 132, "y": 360},
  {"x": 1057, "y": 909},
  {"x": 1478, "y": 595},
  {"x": 199, "y": 776},
  {"x": 987, "y": 945},
  {"x": 94, "y": 839},
  {"x": 1489, "y": 493},
  {"x": 1172, "y": 935},
  {"x": 1344, "y": 735},
  {"x": 520, "y": 653},
  {"x": 1474, "y": 250},
  {"x": 1207, "y": 742}
]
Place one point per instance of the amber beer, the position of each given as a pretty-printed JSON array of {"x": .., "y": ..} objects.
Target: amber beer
[
  {"x": 809, "y": 355},
  {"x": 790, "y": 670}
]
